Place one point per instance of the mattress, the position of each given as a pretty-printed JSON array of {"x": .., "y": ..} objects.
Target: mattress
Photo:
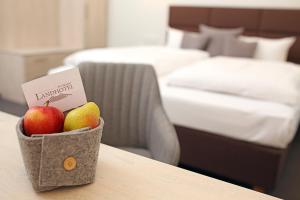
[
  {"x": 163, "y": 59},
  {"x": 256, "y": 121}
]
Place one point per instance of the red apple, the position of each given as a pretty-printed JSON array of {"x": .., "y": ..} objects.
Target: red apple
[{"x": 43, "y": 120}]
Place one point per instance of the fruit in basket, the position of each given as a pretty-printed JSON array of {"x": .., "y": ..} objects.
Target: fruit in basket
[
  {"x": 43, "y": 120},
  {"x": 87, "y": 115}
]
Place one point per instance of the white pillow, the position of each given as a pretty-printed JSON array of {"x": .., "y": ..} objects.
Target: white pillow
[
  {"x": 174, "y": 38},
  {"x": 271, "y": 49}
]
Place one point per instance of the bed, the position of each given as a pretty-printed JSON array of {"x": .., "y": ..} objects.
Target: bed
[
  {"x": 234, "y": 136},
  {"x": 217, "y": 132},
  {"x": 226, "y": 96}
]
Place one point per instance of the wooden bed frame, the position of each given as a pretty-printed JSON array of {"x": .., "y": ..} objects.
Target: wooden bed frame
[{"x": 244, "y": 162}]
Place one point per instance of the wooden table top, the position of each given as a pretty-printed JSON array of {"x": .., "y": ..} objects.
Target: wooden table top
[{"x": 120, "y": 175}]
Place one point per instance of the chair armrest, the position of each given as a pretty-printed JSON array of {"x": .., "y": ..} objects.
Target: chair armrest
[{"x": 163, "y": 141}]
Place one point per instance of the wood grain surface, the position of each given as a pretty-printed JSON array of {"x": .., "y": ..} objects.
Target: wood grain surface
[{"x": 120, "y": 175}]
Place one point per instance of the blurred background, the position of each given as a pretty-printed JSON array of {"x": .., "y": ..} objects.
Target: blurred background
[{"x": 37, "y": 35}]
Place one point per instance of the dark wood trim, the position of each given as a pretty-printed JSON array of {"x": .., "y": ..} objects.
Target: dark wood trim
[
  {"x": 271, "y": 23},
  {"x": 244, "y": 162}
]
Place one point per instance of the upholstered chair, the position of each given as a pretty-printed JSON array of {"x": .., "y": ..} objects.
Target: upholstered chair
[{"x": 130, "y": 103}]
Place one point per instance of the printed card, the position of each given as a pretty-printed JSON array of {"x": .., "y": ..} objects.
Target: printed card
[{"x": 63, "y": 90}]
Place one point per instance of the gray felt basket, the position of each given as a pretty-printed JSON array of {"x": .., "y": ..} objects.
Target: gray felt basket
[{"x": 60, "y": 159}]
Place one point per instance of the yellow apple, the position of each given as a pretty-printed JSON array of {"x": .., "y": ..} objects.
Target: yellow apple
[{"x": 87, "y": 115}]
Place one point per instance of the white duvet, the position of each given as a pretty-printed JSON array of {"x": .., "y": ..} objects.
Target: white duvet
[
  {"x": 265, "y": 80},
  {"x": 256, "y": 121},
  {"x": 163, "y": 59}
]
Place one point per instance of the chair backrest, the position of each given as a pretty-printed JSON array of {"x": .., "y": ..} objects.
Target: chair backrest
[{"x": 127, "y": 95}]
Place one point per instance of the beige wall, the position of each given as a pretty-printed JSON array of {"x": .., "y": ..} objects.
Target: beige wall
[{"x": 52, "y": 23}]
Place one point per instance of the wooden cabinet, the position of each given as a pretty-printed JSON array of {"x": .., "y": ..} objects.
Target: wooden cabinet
[
  {"x": 19, "y": 66},
  {"x": 36, "y": 35},
  {"x": 95, "y": 23},
  {"x": 52, "y": 23}
]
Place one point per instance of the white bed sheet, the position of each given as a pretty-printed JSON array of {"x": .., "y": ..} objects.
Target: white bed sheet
[
  {"x": 258, "y": 79},
  {"x": 163, "y": 59},
  {"x": 256, "y": 121}
]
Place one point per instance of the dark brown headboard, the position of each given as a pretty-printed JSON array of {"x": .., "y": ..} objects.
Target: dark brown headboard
[{"x": 257, "y": 22}]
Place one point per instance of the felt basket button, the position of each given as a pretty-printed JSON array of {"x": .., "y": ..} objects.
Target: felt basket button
[{"x": 70, "y": 163}]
